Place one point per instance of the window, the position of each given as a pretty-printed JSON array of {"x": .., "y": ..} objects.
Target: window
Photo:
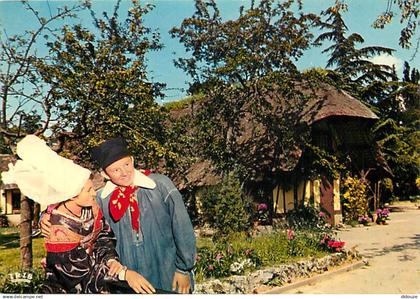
[{"x": 16, "y": 201}]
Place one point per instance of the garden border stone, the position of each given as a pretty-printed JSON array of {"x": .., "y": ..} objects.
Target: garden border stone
[
  {"x": 314, "y": 279},
  {"x": 270, "y": 278}
]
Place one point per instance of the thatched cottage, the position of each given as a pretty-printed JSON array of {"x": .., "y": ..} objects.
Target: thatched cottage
[{"x": 340, "y": 125}]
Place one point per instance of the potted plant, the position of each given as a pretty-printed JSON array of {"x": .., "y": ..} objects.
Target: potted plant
[
  {"x": 262, "y": 213},
  {"x": 364, "y": 220},
  {"x": 382, "y": 216}
]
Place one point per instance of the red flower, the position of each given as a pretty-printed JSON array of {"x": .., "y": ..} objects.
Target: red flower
[{"x": 337, "y": 245}]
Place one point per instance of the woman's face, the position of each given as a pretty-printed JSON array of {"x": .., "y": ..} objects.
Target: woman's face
[
  {"x": 121, "y": 172},
  {"x": 86, "y": 197}
]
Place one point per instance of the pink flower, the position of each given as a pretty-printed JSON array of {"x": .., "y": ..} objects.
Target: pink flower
[
  {"x": 219, "y": 256},
  {"x": 290, "y": 234},
  {"x": 324, "y": 239},
  {"x": 262, "y": 206},
  {"x": 321, "y": 214},
  {"x": 197, "y": 258},
  {"x": 248, "y": 252},
  {"x": 210, "y": 267}
]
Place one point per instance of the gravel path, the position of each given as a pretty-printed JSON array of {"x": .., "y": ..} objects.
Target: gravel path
[{"x": 393, "y": 252}]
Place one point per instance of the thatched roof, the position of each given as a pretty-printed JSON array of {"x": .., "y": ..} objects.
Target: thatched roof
[
  {"x": 324, "y": 102},
  {"x": 198, "y": 175},
  {"x": 329, "y": 101}
]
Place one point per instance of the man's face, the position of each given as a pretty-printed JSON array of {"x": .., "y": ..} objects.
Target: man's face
[{"x": 121, "y": 172}]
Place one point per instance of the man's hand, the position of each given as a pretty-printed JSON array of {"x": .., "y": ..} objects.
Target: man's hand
[
  {"x": 45, "y": 225},
  {"x": 138, "y": 283},
  {"x": 181, "y": 282}
]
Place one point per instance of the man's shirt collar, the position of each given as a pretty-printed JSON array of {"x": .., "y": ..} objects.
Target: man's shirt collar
[{"x": 140, "y": 180}]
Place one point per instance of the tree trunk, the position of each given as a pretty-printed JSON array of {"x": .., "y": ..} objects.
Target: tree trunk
[{"x": 25, "y": 233}]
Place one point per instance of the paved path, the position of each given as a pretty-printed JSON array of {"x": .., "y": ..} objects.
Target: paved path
[{"x": 393, "y": 252}]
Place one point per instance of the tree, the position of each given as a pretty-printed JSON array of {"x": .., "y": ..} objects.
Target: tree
[
  {"x": 399, "y": 145},
  {"x": 410, "y": 87},
  {"x": 397, "y": 131},
  {"x": 265, "y": 38},
  {"x": 409, "y": 10},
  {"x": 22, "y": 89},
  {"x": 101, "y": 87},
  {"x": 348, "y": 60},
  {"x": 248, "y": 121}
]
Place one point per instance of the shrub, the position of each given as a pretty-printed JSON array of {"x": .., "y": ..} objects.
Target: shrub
[
  {"x": 226, "y": 208},
  {"x": 354, "y": 198}
]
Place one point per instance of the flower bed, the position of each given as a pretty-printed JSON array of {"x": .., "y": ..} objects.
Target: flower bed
[{"x": 275, "y": 276}]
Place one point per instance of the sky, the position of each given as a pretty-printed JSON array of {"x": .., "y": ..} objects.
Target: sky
[{"x": 14, "y": 19}]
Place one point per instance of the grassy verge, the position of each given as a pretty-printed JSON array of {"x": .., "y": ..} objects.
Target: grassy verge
[{"x": 10, "y": 252}]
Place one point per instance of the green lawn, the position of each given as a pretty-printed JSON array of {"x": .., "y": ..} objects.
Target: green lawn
[{"x": 10, "y": 251}]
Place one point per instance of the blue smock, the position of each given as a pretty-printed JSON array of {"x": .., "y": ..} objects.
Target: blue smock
[{"x": 166, "y": 241}]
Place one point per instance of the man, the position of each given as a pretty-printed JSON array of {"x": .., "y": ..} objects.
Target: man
[{"x": 155, "y": 237}]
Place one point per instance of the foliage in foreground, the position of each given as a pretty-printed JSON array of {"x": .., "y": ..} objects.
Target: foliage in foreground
[
  {"x": 240, "y": 253},
  {"x": 23, "y": 282}
]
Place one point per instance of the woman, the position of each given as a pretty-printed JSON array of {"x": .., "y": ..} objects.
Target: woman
[{"x": 81, "y": 246}]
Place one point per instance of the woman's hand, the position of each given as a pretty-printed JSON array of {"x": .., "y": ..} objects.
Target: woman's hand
[
  {"x": 181, "y": 282},
  {"x": 138, "y": 283},
  {"x": 114, "y": 267}
]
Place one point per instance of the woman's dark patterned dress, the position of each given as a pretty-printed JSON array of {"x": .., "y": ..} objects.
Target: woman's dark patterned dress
[{"x": 77, "y": 252}]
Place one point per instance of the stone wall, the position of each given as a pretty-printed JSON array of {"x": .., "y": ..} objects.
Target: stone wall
[{"x": 275, "y": 276}]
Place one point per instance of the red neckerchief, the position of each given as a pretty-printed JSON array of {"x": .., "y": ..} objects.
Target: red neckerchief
[{"x": 120, "y": 200}]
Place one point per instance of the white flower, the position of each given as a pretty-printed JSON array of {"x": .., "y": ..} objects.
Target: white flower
[{"x": 240, "y": 265}]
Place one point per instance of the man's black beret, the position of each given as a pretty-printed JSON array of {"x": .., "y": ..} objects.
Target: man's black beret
[{"x": 110, "y": 151}]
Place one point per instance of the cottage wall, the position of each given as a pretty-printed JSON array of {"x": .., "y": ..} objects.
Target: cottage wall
[{"x": 309, "y": 193}]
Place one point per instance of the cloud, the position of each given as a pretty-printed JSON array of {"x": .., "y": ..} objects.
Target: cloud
[{"x": 388, "y": 60}]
